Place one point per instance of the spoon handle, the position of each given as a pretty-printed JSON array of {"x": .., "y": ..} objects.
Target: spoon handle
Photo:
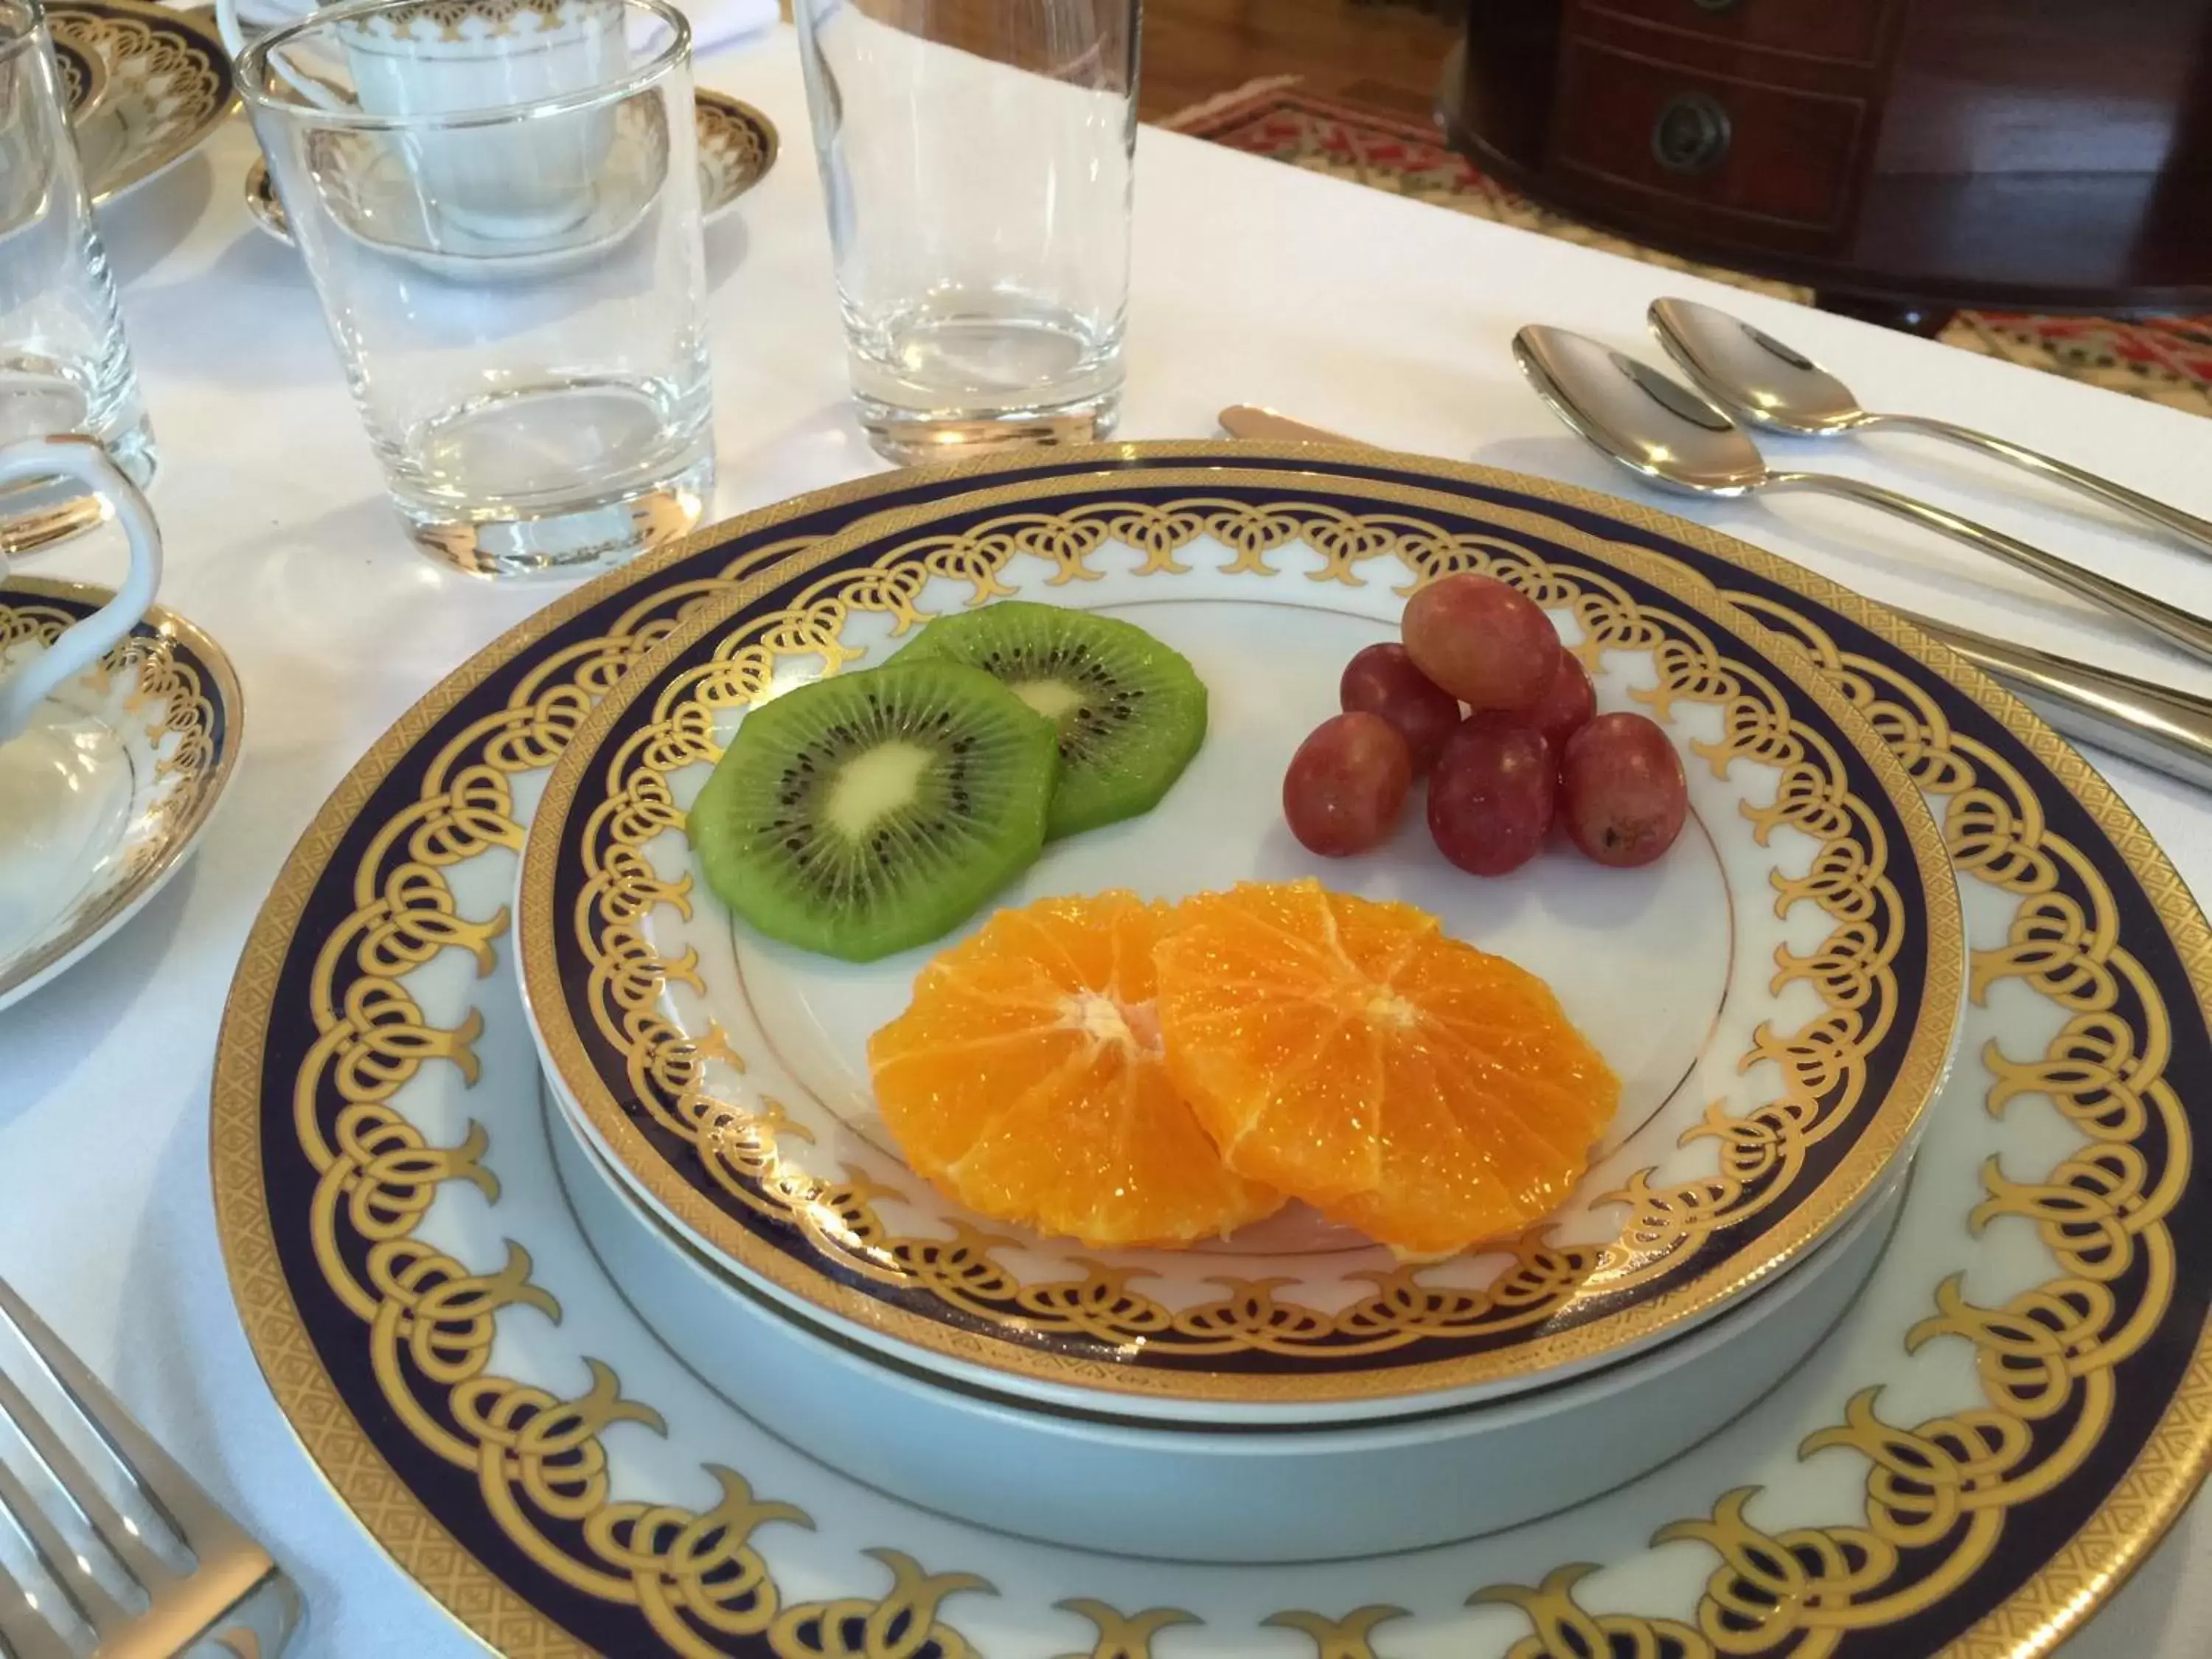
[
  {"x": 2171, "y": 623},
  {"x": 2197, "y": 531},
  {"x": 2170, "y": 730}
]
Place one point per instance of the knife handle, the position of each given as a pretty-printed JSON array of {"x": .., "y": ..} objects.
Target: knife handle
[
  {"x": 2170, "y": 730},
  {"x": 1250, "y": 422}
]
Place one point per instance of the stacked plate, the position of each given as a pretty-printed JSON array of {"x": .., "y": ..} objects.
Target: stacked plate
[
  {"x": 464, "y": 1270},
  {"x": 1780, "y": 996}
]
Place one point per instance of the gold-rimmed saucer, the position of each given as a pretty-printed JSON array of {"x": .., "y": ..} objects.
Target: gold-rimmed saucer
[
  {"x": 168, "y": 86},
  {"x": 105, "y": 796},
  {"x": 84, "y": 79},
  {"x": 738, "y": 145}
]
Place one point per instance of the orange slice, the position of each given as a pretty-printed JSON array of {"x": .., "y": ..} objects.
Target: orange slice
[
  {"x": 1026, "y": 1081},
  {"x": 1351, "y": 1054}
]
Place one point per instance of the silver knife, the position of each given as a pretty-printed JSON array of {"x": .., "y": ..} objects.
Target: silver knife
[{"x": 2169, "y": 730}]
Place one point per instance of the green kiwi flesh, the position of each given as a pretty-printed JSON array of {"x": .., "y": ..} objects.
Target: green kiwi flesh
[
  {"x": 1130, "y": 712},
  {"x": 866, "y": 813}
]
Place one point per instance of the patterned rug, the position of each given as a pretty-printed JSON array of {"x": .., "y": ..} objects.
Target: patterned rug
[{"x": 2167, "y": 359}]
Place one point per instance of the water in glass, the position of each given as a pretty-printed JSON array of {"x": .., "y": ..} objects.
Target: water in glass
[
  {"x": 64, "y": 365},
  {"x": 976, "y": 155},
  {"x": 503, "y": 227}
]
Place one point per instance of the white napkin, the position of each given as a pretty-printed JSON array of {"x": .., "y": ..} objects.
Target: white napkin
[{"x": 714, "y": 22}]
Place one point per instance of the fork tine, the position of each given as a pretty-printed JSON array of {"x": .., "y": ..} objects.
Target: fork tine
[
  {"x": 26, "y": 1629},
  {"x": 69, "y": 1570},
  {"x": 194, "y": 1516},
  {"x": 101, "y": 1610}
]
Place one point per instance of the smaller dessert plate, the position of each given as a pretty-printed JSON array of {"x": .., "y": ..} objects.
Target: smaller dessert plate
[
  {"x": 1777, "y": 995},
  {"x": 737, "y": 146},
  {"x": 103, "y": 798}
]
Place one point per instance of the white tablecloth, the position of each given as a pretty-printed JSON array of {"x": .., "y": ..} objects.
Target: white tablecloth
[{"x": 1255, "y": 283}]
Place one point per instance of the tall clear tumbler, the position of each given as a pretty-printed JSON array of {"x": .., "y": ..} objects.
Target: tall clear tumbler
[
  {"x": 977, "y": 159},
  {"x": 498, "y": 202},
  {"x": 65, "y": 367}
]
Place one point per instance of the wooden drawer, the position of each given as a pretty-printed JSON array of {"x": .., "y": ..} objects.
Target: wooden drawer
[
  {"x": 1847, "y": 29},
  {"x": 1651, "y": 129}
]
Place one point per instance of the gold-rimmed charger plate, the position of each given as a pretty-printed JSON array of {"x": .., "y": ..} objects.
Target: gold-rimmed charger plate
[
  {"x": 168, "y": 86},
  {"x": 2019, "y": 1406}
]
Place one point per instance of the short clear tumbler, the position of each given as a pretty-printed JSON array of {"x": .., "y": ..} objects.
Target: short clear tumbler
[
  {"x": 499, "y": 208},
  {"x": 977, "y": 159},
  {"x": 65, "y": 367}
]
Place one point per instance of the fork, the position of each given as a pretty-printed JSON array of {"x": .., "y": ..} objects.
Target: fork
[{"x": 233, "y": 1598}]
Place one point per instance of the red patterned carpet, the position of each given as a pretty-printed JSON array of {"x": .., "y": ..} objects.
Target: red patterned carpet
[{"x": 2165, "y": 359}]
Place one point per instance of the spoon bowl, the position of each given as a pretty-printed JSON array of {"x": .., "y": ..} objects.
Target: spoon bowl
[
  {"x": 1649, "y": 421},
  {"x": 1756, "y": 375},
  {"x": 1660, "y": 429},
  {"x": 1777, "y": 386}
]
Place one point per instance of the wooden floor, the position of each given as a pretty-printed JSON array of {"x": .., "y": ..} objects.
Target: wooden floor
[{"x": 1384, "y": 55}]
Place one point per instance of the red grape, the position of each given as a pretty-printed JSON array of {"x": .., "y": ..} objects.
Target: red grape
[
  {"x": 1489, "y": 646},
  {"x": 1491, "y": 799},
  {"x": 1622, "y": 791},
  {"x": 1382, "y": 680},
  {"x": 1347, "y": 784},
  {"x": 1567, "y": 704}
]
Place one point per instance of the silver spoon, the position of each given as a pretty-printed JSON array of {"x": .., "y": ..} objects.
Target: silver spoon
[
  {"x": 1770, "y": 385},
  {"x": 1657, "y": 428}
]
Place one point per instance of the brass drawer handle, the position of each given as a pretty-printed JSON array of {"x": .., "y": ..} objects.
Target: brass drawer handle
[{"x": 1691, "y": 135}]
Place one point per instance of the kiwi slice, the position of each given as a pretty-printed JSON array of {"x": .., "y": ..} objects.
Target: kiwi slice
[
  {"x": 868, "y": 812},
  {"x": 1130, "y": 712}
]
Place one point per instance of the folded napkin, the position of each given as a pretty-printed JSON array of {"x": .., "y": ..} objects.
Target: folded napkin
[{"x": 714, "y": 22}]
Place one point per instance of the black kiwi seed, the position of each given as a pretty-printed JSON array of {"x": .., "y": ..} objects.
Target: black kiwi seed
[
  {"x": 1130, "y": 712},
  {"x": 823, "y": 827}
]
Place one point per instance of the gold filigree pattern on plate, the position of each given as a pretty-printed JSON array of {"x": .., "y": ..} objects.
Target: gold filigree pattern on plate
[
  {"x": 476, "y": 775},
  {"x": 183, "y": 712},
  {"x": 169, "y": 85},
  {"x": 738, "y": 145},
  {"x": 1758, "y": 1154},
  {"x": 485, "y": 20},
  {"x": 84, "y": 77}
]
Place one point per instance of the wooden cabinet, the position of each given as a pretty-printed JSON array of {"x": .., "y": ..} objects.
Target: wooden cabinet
[
  {"x": 1902, "y": 157},
  {"x": 1848, "y": 31},
  {"x": 1712, "y": 150}
]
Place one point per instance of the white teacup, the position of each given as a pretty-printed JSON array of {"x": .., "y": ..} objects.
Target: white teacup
[
  {"x": 25, "y": 686},
  {"x": 503, "y": 181}
]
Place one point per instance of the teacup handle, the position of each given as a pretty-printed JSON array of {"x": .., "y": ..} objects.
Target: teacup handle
[
  {"x": 85, "y": 642},
  {"x": 233, "y": 40},
  {"x": 227, "y": 24}
]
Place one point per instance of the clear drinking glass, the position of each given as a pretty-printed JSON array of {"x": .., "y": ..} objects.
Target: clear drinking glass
[
  {"x": 64, "y": 365},
  {"x": 977, "y": 158},
  {"x": 503, "y": 225}
]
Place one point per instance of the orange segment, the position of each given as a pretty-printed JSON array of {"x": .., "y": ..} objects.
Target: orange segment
[
  {"x": 1026, "y": 1082},
  {"x": 1352, "y": 1054}
]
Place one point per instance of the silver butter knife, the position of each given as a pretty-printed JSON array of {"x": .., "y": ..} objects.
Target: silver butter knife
[{"x": 2168, "y": 730}]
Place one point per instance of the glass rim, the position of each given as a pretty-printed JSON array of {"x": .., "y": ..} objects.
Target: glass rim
[
  {"x": 34, "y": 25},
  {"x": 254, "y": 72}
]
